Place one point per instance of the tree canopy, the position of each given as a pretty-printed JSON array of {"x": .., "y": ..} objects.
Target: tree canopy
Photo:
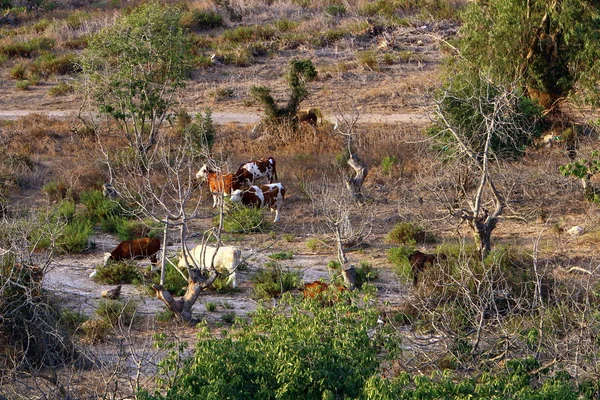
[{"x": 548, "y": 47}]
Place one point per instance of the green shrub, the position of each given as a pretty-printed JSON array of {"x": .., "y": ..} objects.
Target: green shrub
[
  {"x": 76, "y": 19},
  {"x": 72, "y": 320},
  {"x": 368, "y": 59},
  {"x": 398, "y": 257},
  {"x": 313, "y": 244},
  {"x": 210, "y": 306},
  {"x": 365, "y": 273},
  {"x": 336, "y": 10},
  {"x": 74, "y": 238},
  {"x": 228, "y": 317},
  {"x": 115, "y": 312},
  {"x": 242, "y": 219},
  {"x": 98, "y": 207},
  {"x": 18, "y": 72},
  {"x": 27, "y": 49},
  {"x": 290, "y": 351},
  {"x": 175, "y": 283},
  {"x": 23, "y": 84},
  {"x": 51, "y": 64},
  {"x": 198, "y": 20},
  {"x": 388, "y": 163},
  {"x": 55, "y": 190},
  {"x": 407, "y": 233},
  {"x": 116, "y": 273},
  {"x": 165, "y": 316},
  {"x": 128, "y": 229},
  {"x": 282, "y": 255},
  {"x": 272, "y": 282}
]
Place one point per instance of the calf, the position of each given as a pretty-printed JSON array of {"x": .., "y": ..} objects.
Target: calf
[
  {"x": 270, "y": 195},
  {"x": 255, "y": 170},
  {"x": 224, "y": 257},
  {"x": 417, "y": 262},
  {"x": 218, "y": 183}
]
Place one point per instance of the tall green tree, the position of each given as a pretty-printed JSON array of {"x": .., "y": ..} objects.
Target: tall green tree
[
  {"x": 549, "y": 47},
  {"x": 135, "y": 67}
]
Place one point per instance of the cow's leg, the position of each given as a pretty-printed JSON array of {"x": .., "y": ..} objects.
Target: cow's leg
[
  {"x": 276, "y": 214},
  {"x": 232, "y": 280},
  {"x": 215, "y": 199}
]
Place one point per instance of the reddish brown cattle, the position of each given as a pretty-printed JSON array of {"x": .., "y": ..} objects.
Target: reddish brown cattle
[
  {"x": 270, "y": 195},
  {"x": 218, "y": 183},
  {"x": 417, "y": 262},
  {"x": 310, "y": 116},
  {"x": 135, "y": 249},
  {"x": 255, "y": 170},
  {"x": 318, "y": 289}
]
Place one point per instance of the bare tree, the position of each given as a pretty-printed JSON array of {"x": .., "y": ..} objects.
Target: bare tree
[
  {"x": 492, "y": 127},
  {"x": 346, "y": 126},
  {"x": 161, "y": 185},
  {"x": 347, "y": 224}
]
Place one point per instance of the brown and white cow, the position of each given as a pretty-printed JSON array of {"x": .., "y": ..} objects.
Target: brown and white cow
[
  {"x": 135, "y": 249},
  {"x": 218, "y": 183},
  {"x": 270, "y": 195},
  {"x": 255, "y": 170}
]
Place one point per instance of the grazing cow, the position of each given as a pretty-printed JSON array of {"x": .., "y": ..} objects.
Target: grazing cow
[
  {"x": 218, "y": 183},
  {"x": 417, "y": 262},
  {"x": 135, "y": 249},
  {"x": 270, "y": 195},
  {"x": 255, "y": 170},
  {"x": 226, "y": 257}
]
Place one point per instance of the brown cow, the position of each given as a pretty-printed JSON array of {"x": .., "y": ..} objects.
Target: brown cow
[
  {"x": 316, "y": 289},
  {"x": 270, "y": 195},
  {"x": 218, "y": 183},
  {"x": 310, "y": 116},
  {"x": 135, "y": 249},
  {"x": 255, "y": 170},
  {"x": 417, "y": 262}
]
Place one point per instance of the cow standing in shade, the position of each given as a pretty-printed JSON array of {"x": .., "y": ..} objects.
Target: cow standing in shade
[
  {"x": 256, "y": 170},
  {"x": 270, "y": 195},
  {"x": 224, "y": 257}
]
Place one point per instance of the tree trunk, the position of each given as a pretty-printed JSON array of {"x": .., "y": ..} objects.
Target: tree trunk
[
  {"x": 482, "y": 231},
  {"x": 354, "y": 184},
  {"x": 349, "y": 275}
]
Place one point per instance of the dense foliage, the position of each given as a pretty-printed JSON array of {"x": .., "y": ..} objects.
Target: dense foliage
[{"x": 550, "y": 47}]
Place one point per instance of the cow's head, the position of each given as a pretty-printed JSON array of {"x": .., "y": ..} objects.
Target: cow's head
[
  {"x": 202, "y": 173},
  {"x": 106, "y": 258},
  {"x": 236, "y": 196}
]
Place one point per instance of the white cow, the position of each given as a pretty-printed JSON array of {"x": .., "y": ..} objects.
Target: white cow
[{"x": 226, "y": 258}]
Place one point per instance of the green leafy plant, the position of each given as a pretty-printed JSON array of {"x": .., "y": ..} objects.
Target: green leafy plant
[
  {"x": 115, "y": 273},
  {"x": 388, "y": 163},
  {"x": 274, "y": 281},
  {"x": 282, "y": 255},
  {"x": 408, "y": 233},
  {"x": 584, "y": 169},
  {"x": 115, "y": 312},
  {"x": 242, "y": 219}
]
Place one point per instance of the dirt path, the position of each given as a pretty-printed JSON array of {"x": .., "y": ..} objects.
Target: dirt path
[{"x": 234, "y": 117}]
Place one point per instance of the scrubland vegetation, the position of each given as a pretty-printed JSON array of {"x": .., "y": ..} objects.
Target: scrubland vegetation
[{"x": 489, "y": 183}]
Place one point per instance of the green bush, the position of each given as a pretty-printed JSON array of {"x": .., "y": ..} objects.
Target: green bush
[
  {"x": 23, "y": 84},
  {"x": 116, "y": 312},
  {"x": 175, "y": 283},
  {"x": 408, "y": 233},
  {"x": 273, "y": 281},
  {"x": 116, "y": 273},
  {"x": 388, "y": 163},
  {"x": 242, "y": 219},
  {"x": 72, "y": 320},
  {"x": 74, "y": 238},
  {"x": 398, "y": 257},
  {"x": 282, "y": 255},
  {"x": 99, "y": 208},
  {"x": 365, "y": 273},
  {"x": 27, "y": 49},
  {"x": 198, "y": 20},
  {"x": 295, "y": 350},
  {"x": 18, "y": 72}
]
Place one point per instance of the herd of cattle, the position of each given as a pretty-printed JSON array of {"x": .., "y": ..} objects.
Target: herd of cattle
[{"x": 240, "y": 187}]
